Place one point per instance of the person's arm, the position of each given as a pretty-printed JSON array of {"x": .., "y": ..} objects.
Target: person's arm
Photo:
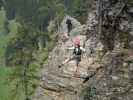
[
  {"x": 71, "y": 48},
  {"x": 83, "y": 49}
]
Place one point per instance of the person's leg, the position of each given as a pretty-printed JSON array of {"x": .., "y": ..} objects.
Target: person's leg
[
  {"x": 78, "y": 59},
  {"x": 76, "y": 72}
]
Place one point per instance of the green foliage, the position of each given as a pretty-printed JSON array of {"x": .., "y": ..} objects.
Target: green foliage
[
  {"x": 3, "y": 43},
  {"x": 23, "y": 47},
  {"x": 24, "y": 80},
  {"x": 39, "y": 13},
  {"x": 23, "y": 39},
  {"x": 13, "y": 26},
  {"x": 4, "y": 72},
  {"x": 19, "y": 50},
  {"x": 3, "y": 21},
  {"x": 35, "y": 13},
  {"x": 4, "y": 87},
  {"x": 41, "y": 57},
  {"x": 79, "y": 9}
]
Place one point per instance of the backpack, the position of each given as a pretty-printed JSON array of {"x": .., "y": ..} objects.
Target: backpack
[{"x": 77, "y": 51}]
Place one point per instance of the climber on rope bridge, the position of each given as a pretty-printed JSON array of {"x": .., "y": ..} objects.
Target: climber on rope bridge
[{"x": 77, "y": 52}]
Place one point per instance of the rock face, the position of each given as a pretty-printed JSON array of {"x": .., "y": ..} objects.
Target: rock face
[
  {"x": 102, "y": 74},
  {"x": 116, "y": 81},
  {"x": 117, "y": 24}
]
